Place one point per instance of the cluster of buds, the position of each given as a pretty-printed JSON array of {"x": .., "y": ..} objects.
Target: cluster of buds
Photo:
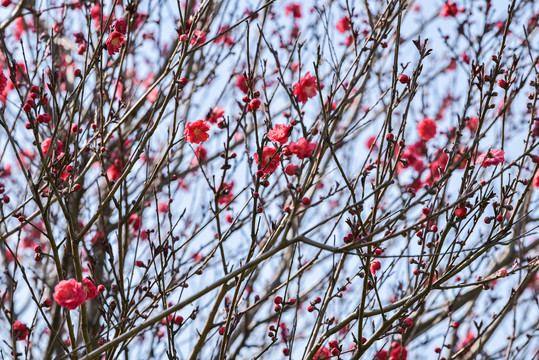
[
  {"x": 79, "y": 39},
  {"x": 335, "y": 348},
  {"x": 312, "y": 307},
  {"x": 405, "y": 324},
  {"x": 254, "y": 103},
  {"x": 278, "y": 301},
  {"x": 31, "y": 104},
  {"x": 38, "y": 253}
]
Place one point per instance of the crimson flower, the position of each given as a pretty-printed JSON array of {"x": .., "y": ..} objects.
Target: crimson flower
[
  {"x": 398, "y": 352},
  {"x": 305, "y": 88},
  {"x": 196, "y": 132},
  {"x": 381, "y": 355},
  {"x": 121, "y": 25},
  {"x": 114, "y": 172},
  {"x": 45, "y": 145},
  {"x": 223, "y": 37},
  {"x": 343, "y": 25},
  {"x": 371, "y": 142},
  {"x": 201, "y": 154},
  {"x": 114, "y": 42},
  {"x": 294, "y": 9},
  {"x": 450, "y": 9},
  {"x": 472, "y": 124},
  {"x": 20, "y": 330},
  {"x": 241, "y": 83},
  {"x": 270, "y": 160},
  {"x": 426, "y": 129},
  {"x": 322, "y": 353},
  {"x": 134, "y": 220},
  {"x": 466, "y": 341},
  {"x": 375, "y": 266},
  {"x": 461, "y": 212}
]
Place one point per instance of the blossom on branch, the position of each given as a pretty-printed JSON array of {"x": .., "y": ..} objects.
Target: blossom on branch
[
  {"x": 303, "y": 149},
  {"x": 270, "y": 160},
  {"x": 493, "y": 157},
  {"x": 426, "y": 129},
  {"x": 114, "y": 42},
  {"x": 305, "y": 88},
  {"x": 279, "y": 133},
  {"x": 69, "y": 294},
  {"x": 196, "y": 132},
  {"x": 20, "y": 330}
]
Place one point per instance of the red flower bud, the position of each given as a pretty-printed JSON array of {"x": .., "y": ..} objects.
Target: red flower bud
[
  {"x": 403, "y": 78},
  {"x": 255, "y": 104},
  {"x": 502, "y": 83},
  {"x": 461, "y": 212},
  {"x": 182, "y": 81}
]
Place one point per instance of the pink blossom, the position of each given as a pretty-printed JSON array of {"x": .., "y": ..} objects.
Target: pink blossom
[
  {"x": 201, "y": 155},
  {"x": 134, "y": 221},
  {"x": 223, "y": 36},
  {"x": 270, "y": 160},
  {"x": 114, "y": 42},
  {"x": 45, "y": 145},
  {"x": 343, "y": 25},
  {"x": 493, "y": 157},
  {"x": 114, "y": 172},
  {"x": 322, "y": 353},
  {"x": 163, "y": 207},
  {"x": 450, "y": 9},
  {"x": 242, "y": 83},
  {"x": 398, "y": 352},
  {"x": 215, "y": 114},
  {"x": 90, "y": 288},
  {"x": 305, "y": 88},
  {"x": 294, "y": 9},
  {"x": 121, "y": 25},
  {"x": 371, "y": 142},
  {"x": 303, "y": 149},
  {"x": 426, "y": 129},
  {"x": 199, "y": 37},
  {"x": 69, "y": 294},
  {"x": 279, "y": 133},
  {"x": 20, "y": 330},
  {"x": 375, "y": 266}
]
